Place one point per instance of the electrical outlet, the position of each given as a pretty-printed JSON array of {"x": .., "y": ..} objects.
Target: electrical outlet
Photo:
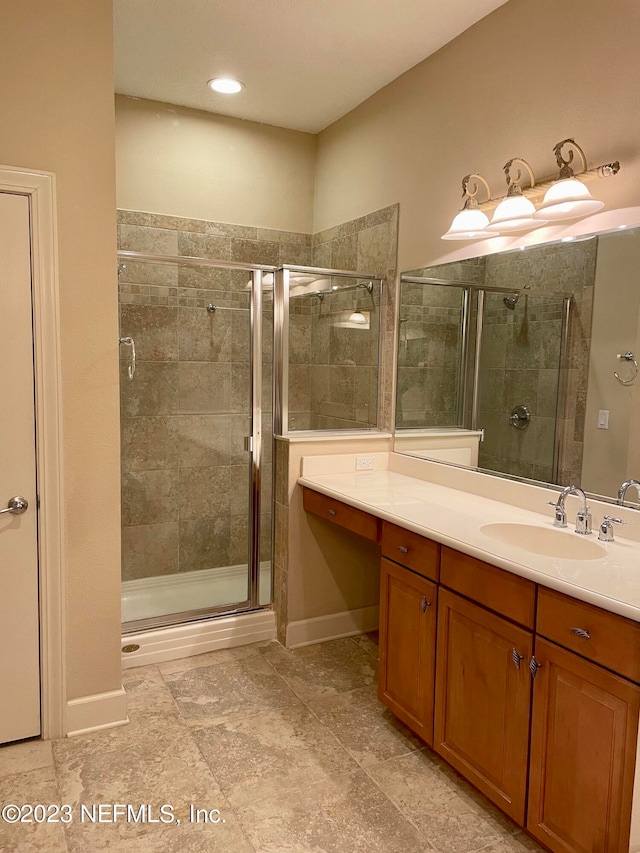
[{"x": 364, "y": 463}]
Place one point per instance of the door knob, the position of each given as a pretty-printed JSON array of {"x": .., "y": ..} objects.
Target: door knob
[{"x": 16, "y": 506}]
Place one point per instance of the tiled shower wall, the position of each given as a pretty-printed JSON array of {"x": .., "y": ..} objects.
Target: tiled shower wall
[
  {"x": 184, "y": 416},
  {"x": 368, "y": 244},
  {"x": 429, "y": 340},
  {"x": 333, "y": 369},
  {"x": 563, "y": 268},
  {"x": 519, "y": 366}
]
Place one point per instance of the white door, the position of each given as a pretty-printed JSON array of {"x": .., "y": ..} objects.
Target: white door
[{"x": 19, "y": 621}]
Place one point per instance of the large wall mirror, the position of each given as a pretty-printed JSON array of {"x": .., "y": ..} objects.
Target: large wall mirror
[{"x": 523, "y": 363}]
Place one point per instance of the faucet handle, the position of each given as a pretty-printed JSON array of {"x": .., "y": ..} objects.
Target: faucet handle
[
  {"x": 583, "y": 521},
  {"x": 605, "y": 534},
  {"x": 561, "y": 516}
]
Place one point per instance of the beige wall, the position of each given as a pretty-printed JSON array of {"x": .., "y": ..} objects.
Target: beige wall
[
  {"x": 185, "y": 162},
  {"x": 522, "y": 79},
  {"x": 56, "y": 103}
]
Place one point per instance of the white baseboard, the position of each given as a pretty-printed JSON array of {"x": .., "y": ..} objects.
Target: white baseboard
[
  {"x": 332, "y": 627},
  {"x": 95, "y": 712},
  {"x": 195, "y": 638}
]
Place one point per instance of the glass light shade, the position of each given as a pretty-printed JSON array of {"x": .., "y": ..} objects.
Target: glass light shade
[
  {"x": 358, "y": 318},
  {"x": 514, "y": 213},
  {"x": 469, "y": 224},
  {"x": 567, "y": 199}
]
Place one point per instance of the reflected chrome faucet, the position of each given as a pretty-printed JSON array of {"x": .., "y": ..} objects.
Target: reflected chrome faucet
[
  {"x": 583, "y": 517},
  {"x": 622, "y": 491}
]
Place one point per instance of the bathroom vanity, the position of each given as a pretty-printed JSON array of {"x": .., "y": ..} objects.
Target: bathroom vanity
[{"x": 520, "y": 668}]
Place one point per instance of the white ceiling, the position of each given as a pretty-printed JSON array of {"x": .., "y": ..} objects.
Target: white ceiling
[{"x": 305, "y": 63}]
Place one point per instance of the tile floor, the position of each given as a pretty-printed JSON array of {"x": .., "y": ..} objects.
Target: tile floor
[{"x": 292, "y": 748}]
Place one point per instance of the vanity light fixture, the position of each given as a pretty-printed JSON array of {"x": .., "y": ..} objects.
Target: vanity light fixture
[
  {"x": 569, "y": 198},
  {"x": 566, "y": 197},
  {"x": 470, "y": 223},
  {"x": 515, "y": 212},
  {"x": 358, "y": 318},
  {"x": 225, "y": 85}
]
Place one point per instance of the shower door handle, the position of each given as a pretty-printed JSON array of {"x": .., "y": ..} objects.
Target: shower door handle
[
  {"x": 16, "y": 506},
  {"x": 127, "y": 340}
]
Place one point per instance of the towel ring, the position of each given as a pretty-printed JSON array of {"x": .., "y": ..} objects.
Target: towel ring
[{"x": 627, "y": 356}]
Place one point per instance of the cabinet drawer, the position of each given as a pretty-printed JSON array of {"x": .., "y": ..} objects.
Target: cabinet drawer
[
  {"x": 410, "y": 549},
  {"x": 612, "y": 640},
  {"x": 342, "y": 514},
  {"x": 505, "y": 593}
]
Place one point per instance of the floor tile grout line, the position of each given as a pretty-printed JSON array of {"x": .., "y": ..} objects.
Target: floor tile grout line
[
  {"x": 232, "y": 809},
  {"x": 409, "y": 820}
]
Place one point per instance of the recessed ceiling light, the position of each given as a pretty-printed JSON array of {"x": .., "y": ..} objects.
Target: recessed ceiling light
[{"x": 225, "y": 85}]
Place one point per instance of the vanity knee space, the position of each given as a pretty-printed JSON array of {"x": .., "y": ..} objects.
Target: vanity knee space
[{"x": 530, "y": 694}]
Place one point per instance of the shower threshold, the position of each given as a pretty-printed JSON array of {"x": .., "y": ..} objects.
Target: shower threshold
[{"x": 147, "y": 598}]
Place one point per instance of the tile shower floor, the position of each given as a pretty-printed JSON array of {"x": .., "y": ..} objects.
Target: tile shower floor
[{"x": 292, "y": 747}]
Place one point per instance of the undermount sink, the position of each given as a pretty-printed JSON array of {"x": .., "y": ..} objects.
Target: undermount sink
[{"x": 545, "y": 541}]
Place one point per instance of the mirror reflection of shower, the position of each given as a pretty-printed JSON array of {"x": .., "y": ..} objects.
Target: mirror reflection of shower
[{"x": 512, "y": 300}]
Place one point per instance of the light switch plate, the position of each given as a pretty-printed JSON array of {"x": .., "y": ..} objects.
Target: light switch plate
[{"x": 603, "y": 419}]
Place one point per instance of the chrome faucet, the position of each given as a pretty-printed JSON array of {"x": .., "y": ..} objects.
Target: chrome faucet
[
  {"x": 622, "y": 491},
  {"x": 583, "y": 517}
]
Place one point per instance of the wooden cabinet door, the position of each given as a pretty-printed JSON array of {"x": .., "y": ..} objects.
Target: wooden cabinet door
[
  {"x": 583, "y": 751},
  {"x": 407, "y": 647},
  {"x": 483, "y": 690}
]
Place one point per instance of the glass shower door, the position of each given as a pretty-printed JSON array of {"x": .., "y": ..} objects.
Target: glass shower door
[{"x": 189, "y": 450}]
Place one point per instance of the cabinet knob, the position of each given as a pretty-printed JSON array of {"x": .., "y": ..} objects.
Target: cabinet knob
[
  {"x": 534, "y": 666},
  {"x": 332, "y": 511},
  {"x": 516, "y": 658},
  {"x": 425, "y": 604},
  {"x": 581, "y": 632},
  {"x": 402, "y": 549}
]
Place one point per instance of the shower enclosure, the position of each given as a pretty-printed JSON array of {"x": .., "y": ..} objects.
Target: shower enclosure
[
  {"x": 474, "y": 358},
  {"x": 198, "y": 387}
]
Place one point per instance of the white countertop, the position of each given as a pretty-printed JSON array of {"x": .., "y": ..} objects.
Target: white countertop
[{"x": 453, "y": 517}]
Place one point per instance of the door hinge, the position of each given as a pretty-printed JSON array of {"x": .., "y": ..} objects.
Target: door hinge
[{"x": 248, "y": 443}]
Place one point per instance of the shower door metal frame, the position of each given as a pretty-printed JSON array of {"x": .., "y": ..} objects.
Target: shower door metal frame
[
  {"x": 281, "y": 296},
  {"x": 471, "y": 417},
  {"x": 256, "y": 445}
]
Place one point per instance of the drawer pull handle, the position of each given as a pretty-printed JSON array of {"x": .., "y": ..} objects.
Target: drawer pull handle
[
  {"x": 534, "y": 666},
  {"x": 332, "y": 512},
  {"x": 580, "y": 632},
  {"x": 425, "y": 604},
  {"x": 516, "y": 658},
  {"x": 402, "y": 549}
]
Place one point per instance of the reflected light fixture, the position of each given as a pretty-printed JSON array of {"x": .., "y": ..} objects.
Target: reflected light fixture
[
  {"x": 515, "y": 212},
  {"x": 225, "y": 85},
  {"x": 470, "y": 223},
  {"x": 358, "y": 318},
  {"x": 569, "y": 198}
]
